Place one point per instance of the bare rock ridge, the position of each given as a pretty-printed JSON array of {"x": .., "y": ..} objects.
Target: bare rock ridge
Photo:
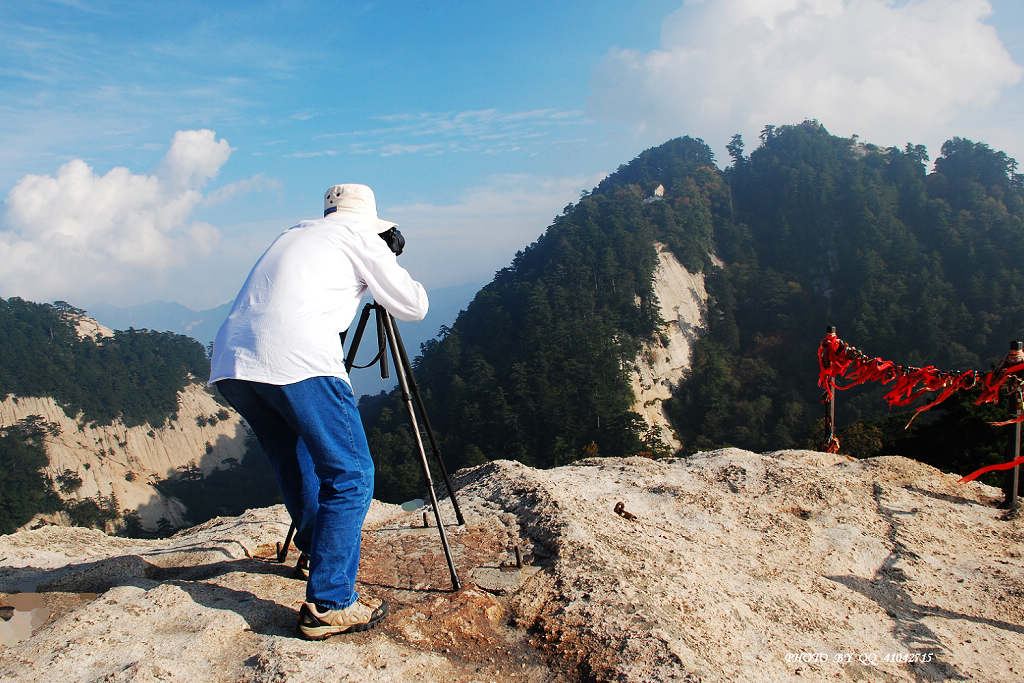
[
  {"x": 87, "y": 327},
  {"x": 724, "y": 566}
]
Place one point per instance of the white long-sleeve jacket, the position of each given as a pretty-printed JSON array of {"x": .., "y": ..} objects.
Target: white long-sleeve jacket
[{"x": 303, "y": 292}]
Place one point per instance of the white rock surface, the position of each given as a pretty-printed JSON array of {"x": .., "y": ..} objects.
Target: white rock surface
[
  {"x": 659, "y": 367},
  {"x": 794, "y": 565},
  {"x": 87, "y": 327}
]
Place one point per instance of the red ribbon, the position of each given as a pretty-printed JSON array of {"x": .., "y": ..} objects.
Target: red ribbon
[
  {"x": 1002, "y": 466},
  {"x": 1019, "y": 418},
  {"x": 837, "y": 359},
  {"x": 993, "y": 382}
]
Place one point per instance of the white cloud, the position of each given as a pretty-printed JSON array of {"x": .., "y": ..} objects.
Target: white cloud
[
  {"x": 195, "y": 156},
  {"x": 312, "y": 155},
  {"x": 889, "y": 71},
  {"x": 80, "y": 235},
  {"x": 488, "y": 131},
  {"x": 397, "y": 149},
  {"x": 256, "y": 183},
  {"x": 472, "y": 238}
]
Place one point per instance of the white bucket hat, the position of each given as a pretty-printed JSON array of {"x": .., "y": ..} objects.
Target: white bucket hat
[{"x": 355, "y": 201}]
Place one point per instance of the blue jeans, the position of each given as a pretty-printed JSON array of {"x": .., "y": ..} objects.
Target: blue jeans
[{"x": 314, "y": 438}]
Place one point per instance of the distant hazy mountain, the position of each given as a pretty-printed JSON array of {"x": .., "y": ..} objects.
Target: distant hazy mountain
[
  {"x": 163, "y": 316},
  {"x": 445, "y": 304}
]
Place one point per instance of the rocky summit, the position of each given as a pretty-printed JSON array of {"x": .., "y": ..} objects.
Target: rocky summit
[{"x": 728, "y": 565}]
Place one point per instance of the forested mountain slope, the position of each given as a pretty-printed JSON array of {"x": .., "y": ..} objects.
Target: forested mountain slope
[
  {"x": 920, "y": 268},
  {"x": 812, "y": 230},
  {"x": 134, "y": 375},
  {"x": 535, "y": 368}
]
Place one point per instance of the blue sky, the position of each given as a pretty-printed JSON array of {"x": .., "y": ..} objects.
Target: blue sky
[{"x": 152, "y": 150}]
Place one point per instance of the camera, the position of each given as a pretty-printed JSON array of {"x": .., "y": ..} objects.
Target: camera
[{"x": 393, "y": 238}]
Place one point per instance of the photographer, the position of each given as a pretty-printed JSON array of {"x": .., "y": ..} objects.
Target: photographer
[{"x": 278, "y": 360}]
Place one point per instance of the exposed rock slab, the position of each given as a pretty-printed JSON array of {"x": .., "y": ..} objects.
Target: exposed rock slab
[
  {"x": 662, "y": 362},
  {"x": 87, "y": 327},
  {"x": 735, "y": 566}
]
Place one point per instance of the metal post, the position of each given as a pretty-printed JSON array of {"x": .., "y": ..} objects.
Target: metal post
[
  {"x": 832, "y": 413},
  {"x": 1016, "y": 470},
  {"x": 1016, "y": 348},
  {"x": 829, "y": 444}
]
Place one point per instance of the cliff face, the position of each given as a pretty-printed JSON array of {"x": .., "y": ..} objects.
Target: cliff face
[
  {"x": 124, "y": 461},
  {"x": 661, "y": 363}
]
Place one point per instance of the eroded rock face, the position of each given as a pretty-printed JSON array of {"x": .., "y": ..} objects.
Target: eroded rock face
[
  {"x": 87, "y": 327},
  {"x": 125, "y": 461},
  {"x": 734, "y": 566},
  {"x": 662, "y": 363}
]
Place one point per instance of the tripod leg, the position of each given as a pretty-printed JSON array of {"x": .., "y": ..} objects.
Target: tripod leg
[
  {"x": 382, "y": 340},
  {"x": 350, "y": 359},
  {"x": 389, "y": 328},
  {"x": 411, "y": 378},
  {"x": 282, "y": 550}
]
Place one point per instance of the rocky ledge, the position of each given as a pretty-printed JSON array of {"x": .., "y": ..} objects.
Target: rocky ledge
[{"x": 728, "y": 565}]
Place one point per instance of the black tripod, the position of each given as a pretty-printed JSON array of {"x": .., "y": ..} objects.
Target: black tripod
[{"x": 388, "y": 335}]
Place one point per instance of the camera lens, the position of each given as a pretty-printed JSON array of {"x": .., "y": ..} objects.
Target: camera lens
[{"x": 394, "y": 239}]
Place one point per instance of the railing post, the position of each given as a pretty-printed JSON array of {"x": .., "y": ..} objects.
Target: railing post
[
  {"x": 1014, "y": 503},
  {"x": 1016, "y": 351},
  {"x": 831, "y": 444},
  {"x": 832, "y": 403}
]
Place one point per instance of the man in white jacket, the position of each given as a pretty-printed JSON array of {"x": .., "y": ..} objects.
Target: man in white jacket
[{"x": 278, "y": 360}]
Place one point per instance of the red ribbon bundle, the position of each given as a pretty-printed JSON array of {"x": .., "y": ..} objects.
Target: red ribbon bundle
[{"x": 837, "y": 359}]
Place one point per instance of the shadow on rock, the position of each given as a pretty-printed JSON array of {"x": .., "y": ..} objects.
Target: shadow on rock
[
  {"x": 887, "y": 589},
  {"x": 265, "y": 617}
]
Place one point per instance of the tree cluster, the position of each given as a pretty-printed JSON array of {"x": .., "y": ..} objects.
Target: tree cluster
[
  {"x": 135, "y": 375},
  {"x": 24, "y": 489}
]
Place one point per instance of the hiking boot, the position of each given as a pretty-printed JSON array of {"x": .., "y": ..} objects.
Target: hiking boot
[
  {"x": 361, "y": 615},
  {"x": 302, "y": 567}
]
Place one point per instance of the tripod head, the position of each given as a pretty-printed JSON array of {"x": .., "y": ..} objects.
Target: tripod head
[{"x": 382, "y": 338}]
